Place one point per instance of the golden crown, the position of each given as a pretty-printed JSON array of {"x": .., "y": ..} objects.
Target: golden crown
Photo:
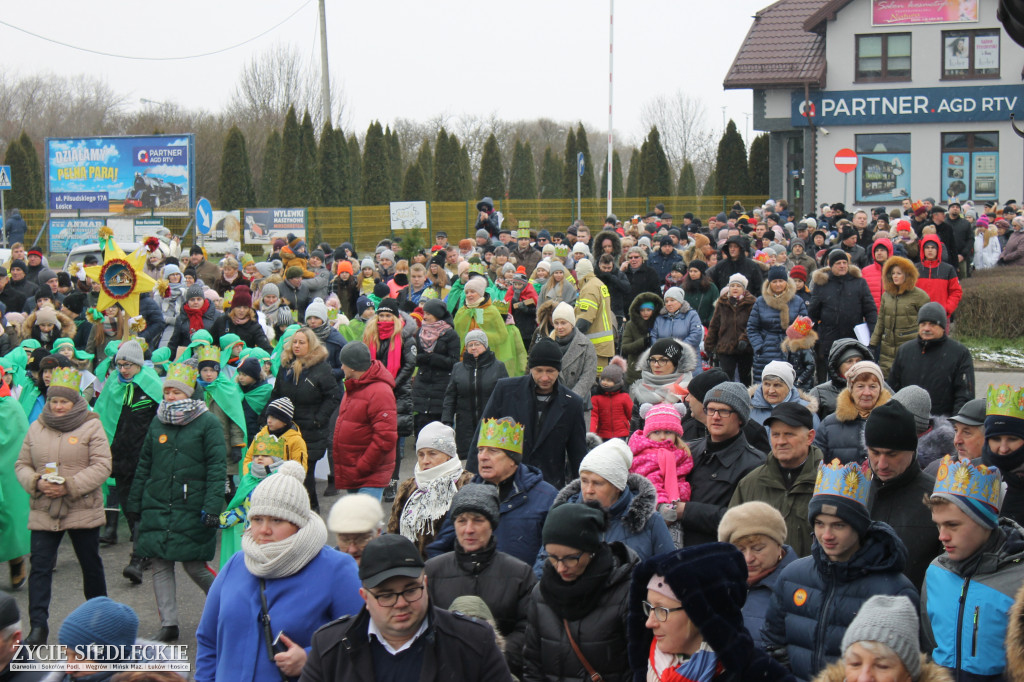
[
  {"x": 182, "y": 373},
  {"x": 208, "y": 354},
  {"x": 1005, "y": 401}
]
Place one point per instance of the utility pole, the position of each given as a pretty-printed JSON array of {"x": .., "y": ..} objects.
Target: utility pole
[
  {"x": 325, "y": 79},
  {"x": 611, "y": 43}
]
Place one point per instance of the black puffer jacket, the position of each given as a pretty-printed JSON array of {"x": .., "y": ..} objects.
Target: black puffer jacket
[
  {"x": 403, "y": 381},
  {"x": 435, "y": 370},
  {"x": 643, "y": 279},
  {"x": 718, "y": 468},
  {"x": 898, "y": 503},
  {"x": 636, "y": 333},
  {"x": 943, "y": 367},
  {"x": 838, "y": 304},
  {"x": 315, "y": 395},
  {"x": 181, "y": 335},
  {"x": 468, "y": 391},
  {"x": 251, "y": 332},
  {"x": 503, "y": 582},
  {"x": 600, "y": 635}
]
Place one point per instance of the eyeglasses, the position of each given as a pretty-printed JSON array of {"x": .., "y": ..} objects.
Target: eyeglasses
[
  {"x": 659, "y": 360},
  {"x": 125, "y": 365},
  {"x": 359, "y": 540},
  {"x": 661, "y": 613},
  {"x": 571, "y": 561},
  {"x": 413, "y": 594},
  {"x": 719, "y": 412}
]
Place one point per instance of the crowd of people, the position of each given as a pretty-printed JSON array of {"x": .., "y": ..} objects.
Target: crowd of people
[{"x": 733, "y": 449}]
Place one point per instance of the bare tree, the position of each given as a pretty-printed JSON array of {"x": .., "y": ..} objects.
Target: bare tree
[{"x": 682, "y": 121}]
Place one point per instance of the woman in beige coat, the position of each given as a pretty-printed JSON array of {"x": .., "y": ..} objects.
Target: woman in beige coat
[{"x": 62, "y": 465}]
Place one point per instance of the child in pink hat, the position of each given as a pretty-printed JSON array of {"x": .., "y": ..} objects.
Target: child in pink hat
[{"x": 661, "y": 456}]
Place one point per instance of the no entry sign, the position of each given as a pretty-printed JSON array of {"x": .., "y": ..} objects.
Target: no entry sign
[{"x": 846, "y": 160}]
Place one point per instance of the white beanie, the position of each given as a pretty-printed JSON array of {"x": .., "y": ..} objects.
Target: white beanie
[
  {"x": 580, "y": 247},
  {"x": 317, "y": 308},
  {"x": 739, "y": 278},
  {"x": 366, "y": 263},
  {"x": 611, "y": 461},
  {"x": 437, "y": 436},
  {"x": 782, "y": 370},
  {"x": 584, "y": 268},
  {"x": 354, "y": 513},
  {"x": 564, "y": 311},
  {"x": 283, "y": 495}
]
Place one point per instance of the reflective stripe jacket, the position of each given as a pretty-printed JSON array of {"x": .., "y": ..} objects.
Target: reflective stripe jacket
[{"x": 595, "y": 306}]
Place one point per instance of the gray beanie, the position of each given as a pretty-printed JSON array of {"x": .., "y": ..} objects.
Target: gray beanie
[
  {"x": 356, "y": 355},
  {"x": 263, "y": 268},
  {"x": 131, "y": 351},
  {"x": 933, "y": 312},
  {"x": 918, "y": 403},
  {"x": 366, "y": 263},
  {"x": 892, "y": 621},
  {"x": 732, "y": 394},
  {"x": 317, "y": 308},
  {"x": 479, "y": 498},
  {"x": 194, "y": 291},
  {"x": 438, "y": 436},
  {"x": 477, "y": 335},
  {"x": 270, "y": 289},
  {"x": 387, "y": 254}
]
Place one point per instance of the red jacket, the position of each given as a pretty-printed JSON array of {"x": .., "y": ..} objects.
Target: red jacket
[
  {"x": 872, "y": 274},
  {"x": 366, "y": 434},
  {"x": 610, "y": 413},
  {"x": 938, "y": 278}
]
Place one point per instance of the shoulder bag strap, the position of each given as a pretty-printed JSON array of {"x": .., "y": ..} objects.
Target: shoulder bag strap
[
  {"x": 268, "y": 632},
  {"x": 594, "y": 675}
]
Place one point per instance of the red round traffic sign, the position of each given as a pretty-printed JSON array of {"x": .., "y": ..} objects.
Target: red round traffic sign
[{"x": 846, "y": 160}]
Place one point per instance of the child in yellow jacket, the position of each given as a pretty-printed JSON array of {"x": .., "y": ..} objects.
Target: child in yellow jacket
[{"x": 280, "y": 425}]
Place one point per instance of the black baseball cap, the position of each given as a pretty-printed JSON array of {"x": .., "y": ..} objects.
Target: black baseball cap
[
  {"x": 793, "y": 414},
  {"x": 971, "y": 414},
  {"x": 389, "y": 556}
]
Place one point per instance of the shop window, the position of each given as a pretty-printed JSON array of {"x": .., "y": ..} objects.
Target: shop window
[
  {"x": 883, "y": 57},
  {"x": 970, "y": 166},
  {"x": 883, "y": 172},
  {"x": 970, "y": 54}
]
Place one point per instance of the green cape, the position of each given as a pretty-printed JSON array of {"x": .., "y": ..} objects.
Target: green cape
[
  {"x": 228, "y": 395},
  {"x": 226, "y": 342},
  {"x": 235, "y": 519},
  {"x": 110, "y": 351},
  {"x": 258, "y": 397},
  {"x": 504, "y": 340},
  {"x": 353, "y": 331},
  {"x": 14, "y": 501},
  {"x": 199, "y": 338},
  {"x": 14, "y": 364},
  {"x": 108, "y": 405},
  {"x": 275, "y": 357}
]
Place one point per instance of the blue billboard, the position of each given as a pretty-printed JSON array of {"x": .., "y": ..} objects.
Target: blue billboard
[
  {"x": 121, "y": 174},
  {"x": 67, "y": 233},
  {"x": 908, "y": 105}
]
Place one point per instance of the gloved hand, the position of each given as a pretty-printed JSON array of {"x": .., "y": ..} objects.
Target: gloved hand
[
  {"x": 743, "y": 347},
  {"x": 668, "y": 512},
  {"x": 132, "y": 517},
  {"x": 235, "y": 454},
  {"x": 210, "y": 520},
  {"x": 875, "y": 352}
]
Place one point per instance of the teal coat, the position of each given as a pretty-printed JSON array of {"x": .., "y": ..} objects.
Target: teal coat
[{"x": 181, "y": 474}]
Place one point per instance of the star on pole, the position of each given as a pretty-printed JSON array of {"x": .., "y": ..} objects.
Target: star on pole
[{"x": 121, "y": 277}]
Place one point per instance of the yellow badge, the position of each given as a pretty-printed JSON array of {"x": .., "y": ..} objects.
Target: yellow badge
[
  {"x": 162, "y": 438},
  {"x": 73, "y": 440},
  {"x": 800, "y": 597}
]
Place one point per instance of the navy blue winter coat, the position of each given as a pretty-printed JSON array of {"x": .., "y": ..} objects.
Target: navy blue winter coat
[
  {"x": 522, "y": 517},
  {"x": 815, "y": 599},
  {"x": 334, "y": 343},
  {"x": 765, "y": 327},
  {"x": 759, "y": 597},
  {"x": 661, "y": 263}
]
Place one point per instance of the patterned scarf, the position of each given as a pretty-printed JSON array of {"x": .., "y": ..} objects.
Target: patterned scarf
[
  {"x": 701, "y": 667},
  {"x": 431, "y": 498},
  {"x": 179, "y": 412},
  {"x": 430, "y": 332}
]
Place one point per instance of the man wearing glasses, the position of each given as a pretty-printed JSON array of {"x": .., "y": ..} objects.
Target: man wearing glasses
[
  {"x": 355, "y": 520},
  {"x": 398, "y": 635}
]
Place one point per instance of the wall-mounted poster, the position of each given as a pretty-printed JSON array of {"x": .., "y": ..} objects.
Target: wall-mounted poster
[
  {"x": 986, "y": 52},
  {"x": 883, "y": 174},
  {"x": 408, "y": 215},
  {"x": 264, "y": 225},
  {"x": 957, "y": 52},
  {"x": 902, "y": 12}
]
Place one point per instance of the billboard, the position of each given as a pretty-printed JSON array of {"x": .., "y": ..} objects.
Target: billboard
[
  {"x": 408, "y": 215},
  {"x": 120, "y": 174},
  {"x": 67, "y": 233},
  {"x": 908, "y": 105},
  {"x": 904, "y": 12},
  {"x": 264, "y": 225}
]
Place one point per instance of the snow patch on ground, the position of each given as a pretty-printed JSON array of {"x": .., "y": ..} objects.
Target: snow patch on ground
[{"x": 1011, "y": 357}]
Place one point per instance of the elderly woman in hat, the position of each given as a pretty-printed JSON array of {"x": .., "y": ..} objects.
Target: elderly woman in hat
[
  {"x": 686, "y": 620},
  {"x": 841, "y": 435},
  {"x": 273, "y": 588},
  {"x": 778, "y": 386}
]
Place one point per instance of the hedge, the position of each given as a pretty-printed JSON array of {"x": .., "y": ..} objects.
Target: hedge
[{"x": 993, "y": 304}]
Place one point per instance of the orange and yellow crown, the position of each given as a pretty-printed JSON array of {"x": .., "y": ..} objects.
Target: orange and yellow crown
[
  {"x": 843, "y": 480},
  {"x": 504, "y": 433}
]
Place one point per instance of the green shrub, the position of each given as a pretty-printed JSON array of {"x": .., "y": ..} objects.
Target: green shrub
[{"x": 992, "y": 304}]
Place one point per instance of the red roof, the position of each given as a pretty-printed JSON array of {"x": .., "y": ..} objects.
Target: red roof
[{"x": 778, "y": 52}]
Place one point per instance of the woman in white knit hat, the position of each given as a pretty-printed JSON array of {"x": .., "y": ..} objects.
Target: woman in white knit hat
[
  {"x": 579, "y": 357},
  {"x": 276, "y": 584}
]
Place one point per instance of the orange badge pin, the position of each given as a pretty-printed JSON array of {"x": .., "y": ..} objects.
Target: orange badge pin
[
  {"x": 73, "y": 440},
  {"x": 800, "y": 597},
  {"x": 162, "y": 438}
]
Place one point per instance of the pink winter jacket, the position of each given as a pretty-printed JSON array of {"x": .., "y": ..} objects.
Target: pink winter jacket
[{"x": 656, "y": 461}]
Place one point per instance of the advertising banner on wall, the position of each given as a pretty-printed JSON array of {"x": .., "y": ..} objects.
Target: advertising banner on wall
[
  {"x": 408, "y": 215},
  {"x": 909, "y": 105},
  {"x": 883, "y": 178},
  {"x": 264, "y": 225},
  {"x": 904, "y": 12},
  {"x": 67, "y": 233},
  {"x": 970, "y": 175},
  {"x": 120, "y": 174}
]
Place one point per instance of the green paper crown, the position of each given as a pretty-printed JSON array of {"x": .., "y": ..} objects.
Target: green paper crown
[
  {"x": 208, "y": 354},
  {"x": 139, "y": 340},
  {"x": 524, "y": 224},
  {"x": 979, "y": 484},
  {"x": 502, "y": 433},
  {"x": 1005, "y": 401},
  {"x": 268, "y": 446},
  {"x": 182, "y": 373},
  {"x": 843, "y": 480},
  {"x": 66, "y": 377},
  {"x": 478, "y": 268},
  {"x": 561, "y": 250},
  {"x": 523, "y": 232}
]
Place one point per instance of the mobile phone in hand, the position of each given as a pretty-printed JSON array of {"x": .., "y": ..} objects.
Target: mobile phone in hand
[{"x": 279, "y": 646}]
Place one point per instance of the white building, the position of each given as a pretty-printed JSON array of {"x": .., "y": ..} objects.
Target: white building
[{"x": 921, "y": 90}]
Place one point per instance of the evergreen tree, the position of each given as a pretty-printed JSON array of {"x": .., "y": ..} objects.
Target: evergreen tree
[
  {"x": 758, "y": 165},
  {"x": 235, "y": 188},
  {"x": 414, "y": 186},
  {"x": 633, "y": 182},
  {"x": 687, "y": 181},
  {"x": 731, "y": 163},
  {"x": 569, "y": 166},
  {"x": 270, "y": 171},
  {"x": 289, "y": 192},
  {"x": 38, "y": 187},
  {"x": 425, "y": 160},
  {"x": 587, "y": 187},
  {"x": 330, "y": 185},
  {"x": 655, "y": 175},
  {"x": 309, "y": 173},
  {"x": 394, "y": 163},
  {"x": 344, "y": 190},
  {"x": 465, "y": 174},
  {"x": 522, "y": 181},
  {"x": 616, "y": 177},
  {"x": 446, "y": 168},
  {"x": 492, "y": 172},
  {"x": 551, "y": 176},
  {"x": 355, "y": 172},
  {"x": 20, "y": 193},
  {"x": 711, "y": 184},
  {"x": 376, "y": 182}
]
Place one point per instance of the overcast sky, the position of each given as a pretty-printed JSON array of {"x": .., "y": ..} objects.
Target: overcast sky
[{"x": 406, "y": 58}]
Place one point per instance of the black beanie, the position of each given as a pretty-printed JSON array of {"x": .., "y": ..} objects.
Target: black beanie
[
  {"x": 669, "y": 348},
  {"x": 891, "y": 426},
  {"x": 705, "y": 381},
  {"x": 546, "y": 353},
  {"x": 699, "y": 264},
  {"x": 251, "y": 367},
  {"x": 579, "y": 526},
  {"x": 836, "y": 255}
]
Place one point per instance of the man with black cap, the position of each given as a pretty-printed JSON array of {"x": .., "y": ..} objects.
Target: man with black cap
[
  {"x": 786, "y": 480},
  {"x": 937, "y": 363},
  {"x": 848, "y": 244},
  {"x": 205, "y": 270},
  {"x": 840, "y": 300},
  {"x": 554, "y": 438},
  {"x": 946, "y": 236},
  {"x": 736, "y": 261},
  {"x": 398, "y": 635},
  {"x": 898, "y": 485},
  {"x": 969, "y": 433},
  {"x": 10, "y": 641}
]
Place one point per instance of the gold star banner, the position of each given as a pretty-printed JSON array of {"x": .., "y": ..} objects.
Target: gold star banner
[{"x": 121, "y": 277}]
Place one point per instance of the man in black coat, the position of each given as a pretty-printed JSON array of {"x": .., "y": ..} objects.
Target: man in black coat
[
  {"x": 554, "y": 438},
  {"x": 848, "y": 243},
  {"x": 963, "y": 235},
  {"x": 13, "y": 299},
  {"x": 736, "y": 261},
  {"x": 898, "y": 484},
  {"x": 946, "y": 236},
  {"x": 840, "y": 301},
  {"x": 384, "y": 641},
  {"x": 938, "y": 364}
]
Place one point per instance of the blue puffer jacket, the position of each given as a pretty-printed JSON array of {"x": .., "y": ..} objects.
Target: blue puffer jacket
[
  {"x": 633, "y": 520},
  {"x": 815, "y": 599},
  {"x": 765, "y": 327},
  {"x": 761, "y": 409},
  {"x": 522, "y": 517},
  {"x": 759, "y": 597},
  {"x": 684, "y": 324}
]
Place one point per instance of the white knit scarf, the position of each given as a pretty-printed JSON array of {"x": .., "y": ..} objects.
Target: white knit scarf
[
  {"x": 431, "y": 498},
  {"x": 285, "y": 557}
]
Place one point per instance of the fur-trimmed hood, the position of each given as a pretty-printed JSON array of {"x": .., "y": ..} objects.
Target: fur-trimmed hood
[
  {"x": 611, "y": 236},
  {"x": 909, "y": 276},
  {"x": 67, "y": 325},
  {"x": 793, "y": 345},
  {"x": 687, "y": 361},
  {"x": 780, "y": 302},
  {"x": 641, "y": 508},
  {"x": 846, "y": 410},
  {"x": 822, "y": 276},
  {"x": 634, "y": 309},
  {"x": 930, "y": 672}
]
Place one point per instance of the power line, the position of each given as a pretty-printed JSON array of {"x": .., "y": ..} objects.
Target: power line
[{"x": 156, "y": 59}]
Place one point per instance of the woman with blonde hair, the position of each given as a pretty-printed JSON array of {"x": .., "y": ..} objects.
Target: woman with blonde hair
[
  {"x": 558, "y": 288},
  {"x": 110, "y": 325},
  {"x": 438, "y": 286}
]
